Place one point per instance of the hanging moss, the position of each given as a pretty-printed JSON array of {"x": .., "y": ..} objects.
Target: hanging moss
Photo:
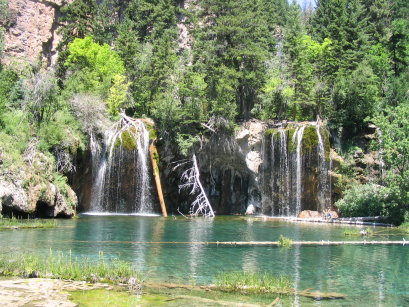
[
  {"x": 153, "y": 133},
  {"x": 292, "y": 147},
  {"x": 127, "y": 139},
  {"x": 310, "y": 139},
  {"x": 327, "y": 145}
]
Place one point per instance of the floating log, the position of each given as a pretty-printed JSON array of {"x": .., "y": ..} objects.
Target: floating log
[
  {"x": 154, "y": 154},
  {"x": 257, "y": 243}
]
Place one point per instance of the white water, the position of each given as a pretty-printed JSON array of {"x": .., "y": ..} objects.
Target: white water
[
  {"x": 121, "y": 176},
  {"x": 300, "y": 133},
  {"x": 284, "y": 175},
  {"x": 324, "y": 184}
]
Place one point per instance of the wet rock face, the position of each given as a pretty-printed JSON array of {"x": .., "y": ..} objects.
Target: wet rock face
[
  {"x": 257, "y": 167},
  {"x": 33, "y": 32}
]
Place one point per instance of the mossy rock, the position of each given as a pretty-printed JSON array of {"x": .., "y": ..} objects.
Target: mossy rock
[
  {"x": 310, "y": 139},
  {"x": 292, "y": 147},
  {"x": 127, "y": 139}
]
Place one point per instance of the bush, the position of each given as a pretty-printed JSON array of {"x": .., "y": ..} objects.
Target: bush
[{"x": 371, "y": 200}]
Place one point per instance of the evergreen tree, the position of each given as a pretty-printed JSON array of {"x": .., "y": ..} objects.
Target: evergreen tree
[
  {"x": 231, "y": 48},
  {"x": 344, "y": 23}
]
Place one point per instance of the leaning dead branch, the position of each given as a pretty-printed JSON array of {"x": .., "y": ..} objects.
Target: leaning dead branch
[{"x": 191, "y": 182}]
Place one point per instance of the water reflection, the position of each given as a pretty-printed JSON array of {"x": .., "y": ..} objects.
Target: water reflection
[{"x": 369, "y": 275}]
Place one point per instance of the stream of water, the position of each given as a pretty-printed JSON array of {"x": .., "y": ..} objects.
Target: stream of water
[{"x": 369, "y": 275}]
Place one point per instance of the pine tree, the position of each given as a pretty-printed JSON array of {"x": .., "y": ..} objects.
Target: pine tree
[
  {"x": 231, "y": 48},
  {"x": 345, "y": 24}
]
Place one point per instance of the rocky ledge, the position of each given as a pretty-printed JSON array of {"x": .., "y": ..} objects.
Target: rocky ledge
[{"x": 43, "y": 200}]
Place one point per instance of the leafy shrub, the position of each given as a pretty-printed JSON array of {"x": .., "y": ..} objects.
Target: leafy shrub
[{"x": 371, "y": 200}]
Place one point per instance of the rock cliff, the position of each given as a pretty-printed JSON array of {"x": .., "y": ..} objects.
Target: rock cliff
[{"x": 33, "y": 32}]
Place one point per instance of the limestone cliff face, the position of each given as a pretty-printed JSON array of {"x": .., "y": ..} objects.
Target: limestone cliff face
[
  {"x": 33, "y": 35},
  {"x": 263, "y": 166}
]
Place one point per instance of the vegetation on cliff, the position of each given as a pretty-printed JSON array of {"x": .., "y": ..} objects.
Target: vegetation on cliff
[{"x": 184, "y": 63}]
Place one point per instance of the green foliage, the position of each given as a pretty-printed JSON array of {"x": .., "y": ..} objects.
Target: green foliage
[
  {"x": 61, "y": 131},
  {"x": 230, "y": 49},
  {"x": 356, "y": 96},
  {"x": 370, "y": 200},
  {"x": 14, "y": 137},
  {"x": 8, "y": 79},
  {"x": 185, "y": 142},
  {"x": 394, "y": 126},
  {"x": 94, "y": 66},
  {"x": 247, "y": 282},
  {"x": 117, "y": 96}
]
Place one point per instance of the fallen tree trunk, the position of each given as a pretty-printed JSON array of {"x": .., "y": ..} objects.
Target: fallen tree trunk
[{"x": 154, "y": 154}]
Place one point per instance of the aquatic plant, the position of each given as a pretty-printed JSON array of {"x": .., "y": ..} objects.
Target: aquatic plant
[
  {"x": 63, "y": 266},
  {"x": 16, "y": 223},
  {"x": 253, "y": 283},
  {"x": 359, "y": 232},
  {"x": 284, "y": 241}
]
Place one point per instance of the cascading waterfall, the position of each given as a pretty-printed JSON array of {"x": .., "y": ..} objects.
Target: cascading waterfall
[
  {"x": 300, "y": 133},
  {"x": 295, "y": 170},
  {"x": 324, "y": 184},
  {"x": 284, "y": 174},
  {"x": 121, "y": 170}
]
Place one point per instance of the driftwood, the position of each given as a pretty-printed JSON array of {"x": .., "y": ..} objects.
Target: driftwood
[
  {"x": 257, "y": 243},
  {"x": 191, "y": 182},
  {"x": 153, "y": 154}
]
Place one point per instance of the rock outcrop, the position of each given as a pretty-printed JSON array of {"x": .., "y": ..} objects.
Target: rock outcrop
[
  {"x": 248, "y": 169},
  {"x": 33, "y": 34},
  {"x": 43, "y": 200}
]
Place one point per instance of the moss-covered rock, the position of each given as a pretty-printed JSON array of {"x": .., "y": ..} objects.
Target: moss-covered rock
[
  {"x": 310, "y": 139},
  {"x": 127, "y": 139},
  {"x": 270, "y": 131}
]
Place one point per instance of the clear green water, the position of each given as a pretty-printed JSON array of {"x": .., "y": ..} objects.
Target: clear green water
[{"x": 369, "y": 275}]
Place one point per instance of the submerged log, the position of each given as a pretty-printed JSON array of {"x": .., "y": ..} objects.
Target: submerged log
[
  {"x": 316, "y": 295},
  {"x": 154, "y": 154}
]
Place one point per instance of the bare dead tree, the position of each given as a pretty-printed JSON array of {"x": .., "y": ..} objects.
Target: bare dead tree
[
  {"x": 191, "y": 182},
  {"x": 90, "y": 110}
]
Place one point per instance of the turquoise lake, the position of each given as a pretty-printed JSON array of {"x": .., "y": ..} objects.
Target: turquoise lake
[{"x": 368, "y": 275}]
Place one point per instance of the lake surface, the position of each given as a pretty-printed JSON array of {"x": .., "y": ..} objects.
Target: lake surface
[{"x": 369, "y": 275}]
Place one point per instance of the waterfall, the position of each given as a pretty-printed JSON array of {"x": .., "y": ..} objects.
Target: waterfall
[
  {"x": 300, "y": 133},
  {"x": 324, "y": 184},
  {"x": 284, "y": 175},
  {"x": 120, "y": 181},
  {"x": 295, "y": 169}
]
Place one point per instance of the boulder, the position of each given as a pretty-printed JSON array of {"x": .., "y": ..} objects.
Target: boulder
[
  {"x": 251, "y": 210},
  {"x": 309, "y": 214}
]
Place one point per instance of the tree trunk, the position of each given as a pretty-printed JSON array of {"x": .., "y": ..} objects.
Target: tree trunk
[{"x": 154, "y": 155}]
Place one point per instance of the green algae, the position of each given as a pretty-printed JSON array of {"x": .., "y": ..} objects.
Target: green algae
[{"x": 103, "y": 297}]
